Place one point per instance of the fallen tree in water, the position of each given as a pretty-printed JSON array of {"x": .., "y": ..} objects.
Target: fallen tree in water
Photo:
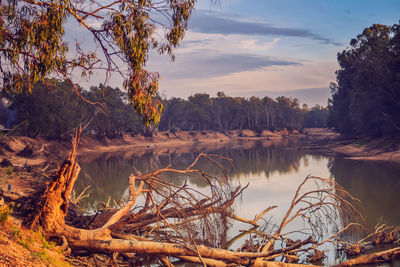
[{"x": 165, "y": 222}]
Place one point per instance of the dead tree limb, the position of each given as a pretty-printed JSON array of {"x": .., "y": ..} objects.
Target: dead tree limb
[
  {"x": 378, "y": 257},
  {"x": 328, "y": 201}
]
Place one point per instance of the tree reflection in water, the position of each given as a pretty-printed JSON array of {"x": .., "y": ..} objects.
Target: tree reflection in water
[
  {"x": 375, "y": 183},
  {"x": 108, "y": 174},
  {"x": 274, "y": 170}
]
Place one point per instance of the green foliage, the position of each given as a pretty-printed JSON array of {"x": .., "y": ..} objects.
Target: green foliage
[
  {"x": 9, "y": 170},
  {"x": 45, "y": 243},
  {"x": 38, "y": 255},
  {"x": 200, "y": 112},
  {"x": 53, "y": 110},
  {"x": 31, "y": 42},
  {"x": 22, "y": 240},
  {"x": 33, "y": 47},
  {"x": 365, "y": 99},
  {"x": 15, "y": 232},
  {"x": 25, "y": 243},
  {"x": 316, "y": 118},
  {"x": 117, "y": 116},
  {"x": 49, "y": 260},
  {"x": 4, "y": 214}
]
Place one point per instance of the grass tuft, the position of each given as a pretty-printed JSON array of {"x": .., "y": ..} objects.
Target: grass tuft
[
  {"x": 9, "y": 170},
  {"x": 4, "y": 214},
  {"x": 45, "y": 243}
]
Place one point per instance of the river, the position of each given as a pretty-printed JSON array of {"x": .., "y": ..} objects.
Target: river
[{"x": 272, "y": 170}]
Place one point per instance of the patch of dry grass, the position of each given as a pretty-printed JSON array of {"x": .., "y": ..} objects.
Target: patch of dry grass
[{"x": 22, "y": 247}]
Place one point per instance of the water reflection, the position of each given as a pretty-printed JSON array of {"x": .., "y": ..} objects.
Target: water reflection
[
  {"x": 274, "y": 171},
  {"x": 376, "y": 184},
  {"x": 108, "y": 175}
]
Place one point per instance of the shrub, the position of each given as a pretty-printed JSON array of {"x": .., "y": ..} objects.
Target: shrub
[
  {"x": 4, "y": 214},
  {"x": 10, "y": 170}
]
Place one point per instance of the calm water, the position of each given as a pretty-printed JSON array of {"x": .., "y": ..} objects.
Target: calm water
[{"x": 273, "y": 172}]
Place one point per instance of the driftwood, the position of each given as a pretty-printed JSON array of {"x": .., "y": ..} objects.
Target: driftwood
[
  {"x": 176, "y": 222},
  {"x": 378, "y": 257}
]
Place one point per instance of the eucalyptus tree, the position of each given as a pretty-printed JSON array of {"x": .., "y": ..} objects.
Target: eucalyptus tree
[
  {"x": 269, "y": 112},
  {"x": 52, "y": 111},
  {"x": 226, "y": 112},
  {"x": 121, "y": 34},
  {"x": 365, "y": 99},
  {"x": 199, "y": 111},
  {"x": 116, "y": 117},
  {"x": 316, "y": 117},
  {"x": 174, "y": 116}
]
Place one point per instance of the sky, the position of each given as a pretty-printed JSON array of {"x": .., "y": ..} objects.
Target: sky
[{"x": 267, "y": 47}]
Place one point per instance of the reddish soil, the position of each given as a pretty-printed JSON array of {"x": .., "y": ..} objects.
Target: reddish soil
[{"x": 21, "y": 247}]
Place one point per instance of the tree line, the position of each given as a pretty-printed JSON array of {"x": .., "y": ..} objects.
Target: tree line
[
  {"x": 202, "y": 112},
  {"x": 54, "y": 109},
  {"x": 365, "y": 102},
  {"x": 366, "y": 97}
]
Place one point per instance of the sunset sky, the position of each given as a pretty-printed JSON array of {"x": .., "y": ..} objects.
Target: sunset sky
[
  {"x": 262, "y": 47},
  {"x": 265, "y": 47}
]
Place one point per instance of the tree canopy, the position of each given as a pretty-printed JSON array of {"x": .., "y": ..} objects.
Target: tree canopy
[
  {"x": 36, "y": 54},
  {"x": 123, "y": 33},
  {"x": 54, "y": 111},
  {"x": 366, "y": 98}
]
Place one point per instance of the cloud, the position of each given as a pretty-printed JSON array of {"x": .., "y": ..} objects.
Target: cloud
[
  {"x": 214, "y": 42},
  {"x": 212, "y": 22},
  {"x": 274, "y": 78},
  {"x": 309, "y": 96},
  {"x": 202, "y": 64}
]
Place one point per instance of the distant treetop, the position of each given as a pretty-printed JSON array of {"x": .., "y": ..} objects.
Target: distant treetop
[{"x": 366, "y": 97}]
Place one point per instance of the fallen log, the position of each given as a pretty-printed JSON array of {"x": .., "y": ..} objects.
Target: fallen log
[{"x": 377, "y": 257}]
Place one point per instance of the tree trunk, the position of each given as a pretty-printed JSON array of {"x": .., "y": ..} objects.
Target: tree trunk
[{"x": 53, "y": 206}]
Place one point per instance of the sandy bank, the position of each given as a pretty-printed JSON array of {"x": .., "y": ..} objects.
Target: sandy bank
[
  {"x": 180, "y": 140},
  {"x": 24, "y": 150},
  {"x": 368, "y": 151},
  {"x": 328, "y": 142},
  {"x": 29, "y": 151}
]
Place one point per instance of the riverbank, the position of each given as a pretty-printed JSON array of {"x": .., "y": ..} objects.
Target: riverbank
[
  {"x": 21, "y": 151},
  {"x": 22, "y": 155},
  {"x": 387, "y": 149},
  {"x": 25, "y": 162},
  {"x": 25, "y": 151}
]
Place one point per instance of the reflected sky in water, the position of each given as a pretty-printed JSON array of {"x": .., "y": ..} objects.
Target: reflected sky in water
[{"x": 273, "y": 171}]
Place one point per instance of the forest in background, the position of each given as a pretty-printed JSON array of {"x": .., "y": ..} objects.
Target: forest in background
[
  {"x": 366, "y": 98},
  {"x": 54, "y": 110},
  {"x": 173, "y": 222},
  {"x": 365, "y": 102}
]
